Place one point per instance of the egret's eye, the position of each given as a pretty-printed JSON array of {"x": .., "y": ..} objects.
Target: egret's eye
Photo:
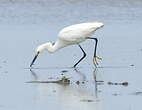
[
  {"x": 37, "y": 53},
  {"x": 53, "y": 43}
]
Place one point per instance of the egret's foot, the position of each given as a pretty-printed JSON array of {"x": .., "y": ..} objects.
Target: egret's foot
[{"x": 95, "y": 60}]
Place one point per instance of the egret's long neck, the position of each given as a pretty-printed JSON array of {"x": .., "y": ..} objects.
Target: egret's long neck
[{"x": 53, "y": 48}]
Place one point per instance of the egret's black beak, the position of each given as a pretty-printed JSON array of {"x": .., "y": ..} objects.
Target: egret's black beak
[{"x": 34, "y": 59}]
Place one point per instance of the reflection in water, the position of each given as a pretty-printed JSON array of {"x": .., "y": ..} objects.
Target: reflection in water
[
  {"x": 95, "y": 79},
  {"x": 81, "y": 74},
  {"x": 72, "y": 95},
  {"x": 42, "y": 68},
  {"x": 34, "y": 74}
]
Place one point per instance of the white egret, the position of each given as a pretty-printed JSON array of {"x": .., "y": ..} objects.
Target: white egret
[{"x": 74, "y": 34}]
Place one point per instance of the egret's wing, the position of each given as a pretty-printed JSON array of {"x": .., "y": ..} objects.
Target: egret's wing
[{"x": 77, "y": 32}]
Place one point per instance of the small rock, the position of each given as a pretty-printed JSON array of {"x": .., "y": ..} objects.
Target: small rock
[
  {"x": 132, "y": 65},
  {"x": 83, "y": 82},
  {"x": 64, "y": 71},
  {"x": 138, "y": 93},
  {"x": 77, "y": 82},
  {"x": 125, "y": 83},
  {"x": 110, "y": 83},
  {"x": 115, "y": 94},
  {"x": 87, "y": 100},
  {"x": 54, "y": 91}
]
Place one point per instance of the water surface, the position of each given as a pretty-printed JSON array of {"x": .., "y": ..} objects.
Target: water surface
[{"x": 28, "y": 23}]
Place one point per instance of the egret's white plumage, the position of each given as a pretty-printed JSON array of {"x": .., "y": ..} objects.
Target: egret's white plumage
[
  {"x": 70, "y": 35},
  {"x": 79, "y": 32}
]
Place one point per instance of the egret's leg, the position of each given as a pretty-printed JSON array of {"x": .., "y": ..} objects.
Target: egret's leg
[
  {"x": 84, "y": 55},
  {"x": 95, "y": 56}
]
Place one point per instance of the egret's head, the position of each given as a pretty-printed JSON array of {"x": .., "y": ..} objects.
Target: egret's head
[
  {"x": 37, "y": 52},
  {"x": 39, "y": 49}
]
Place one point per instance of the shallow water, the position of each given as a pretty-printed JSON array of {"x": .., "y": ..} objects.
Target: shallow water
[{"x": 28, "y": 23}]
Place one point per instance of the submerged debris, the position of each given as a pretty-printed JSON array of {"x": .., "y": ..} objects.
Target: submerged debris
[
  {"x": 87, "y": 100},
  {"x": 137, "y": 93},
  {"x": 123, "y": 83},
  {"x": 115, "y": 94},
  {"x": 100, "y": 82},
  {"x": 64, "y": 80}
]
